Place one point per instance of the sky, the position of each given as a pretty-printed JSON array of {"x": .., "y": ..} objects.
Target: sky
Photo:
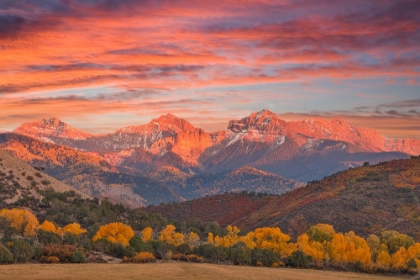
[{"x": 100, "y": 65}]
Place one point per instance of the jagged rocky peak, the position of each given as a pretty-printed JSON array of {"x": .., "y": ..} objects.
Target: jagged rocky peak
[
  {"x": 263, "y": 121},
  {"x": 172, "y": 122},
  {"x": 54, "y": 124},
  {"x": 50, "y": 127}
]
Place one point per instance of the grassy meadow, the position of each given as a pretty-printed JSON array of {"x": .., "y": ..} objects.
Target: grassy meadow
[{"x": 173, "y": 270}]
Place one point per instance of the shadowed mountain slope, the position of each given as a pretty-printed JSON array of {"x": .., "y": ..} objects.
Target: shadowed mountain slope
[{"x": 366, "y": 200}]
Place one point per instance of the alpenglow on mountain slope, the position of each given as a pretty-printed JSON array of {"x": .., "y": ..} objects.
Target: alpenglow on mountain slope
[
  {"x": 92, "y": 175},
  {"x": 302, "y": 150}
]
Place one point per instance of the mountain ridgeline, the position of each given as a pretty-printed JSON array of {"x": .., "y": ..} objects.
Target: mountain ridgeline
[
  {"x": 261, "y": 140},
  {"x": 169, "y": 159}
]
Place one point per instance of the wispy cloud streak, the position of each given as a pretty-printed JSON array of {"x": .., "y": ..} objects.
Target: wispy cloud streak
[{"x": 146, "y": 51}]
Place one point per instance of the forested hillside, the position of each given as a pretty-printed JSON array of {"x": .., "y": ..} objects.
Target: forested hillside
[{"x": 366, "y": 200}]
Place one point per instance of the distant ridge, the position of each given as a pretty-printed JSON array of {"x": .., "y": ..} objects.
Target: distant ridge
[
  {"x": 170, "y": 133},
  {"x": 300, "y": 150}
]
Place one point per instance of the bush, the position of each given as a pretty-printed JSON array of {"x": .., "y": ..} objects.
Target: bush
[
  {"x": 22, "y": 250},
  {"x": 47, "y": 237},
  {"x": 143, "y": 257},
  {"x": 187, "y": 258},
  {"x": 140, "y": 246},
  {"x": 5, "y": 255},
  {"x": 194, "y": 258},
  {"x": 263, "y": 257},
  {"x": 162, "y": 249},
  {"x": 78, "y": 257},
  {"x": 184, "y": 248},
  {"x": 129, "y": 252},
  {"x": 105, "y": 246},
  {"x": 299, "y": 259},
  {"x": 205, "y": 250},
  {"x": 49, "y": 259},
  {"x": 240, "y": 254},
  {"x": 45, "y": 182},
  {"x": 63, "y": 252}
]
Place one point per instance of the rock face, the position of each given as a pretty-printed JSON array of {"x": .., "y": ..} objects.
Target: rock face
[
  {"x": 162, "y": 135},
  {"x": 50, "y": 130},
  {"x": 169, "y": 133},
  {"x": 261, "y": 140}
]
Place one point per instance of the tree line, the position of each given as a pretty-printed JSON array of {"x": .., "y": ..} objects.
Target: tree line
[{"x": 24, "y": 239}]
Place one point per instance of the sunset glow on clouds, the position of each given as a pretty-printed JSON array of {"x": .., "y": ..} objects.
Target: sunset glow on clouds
[{"x": 103, "y": 64}]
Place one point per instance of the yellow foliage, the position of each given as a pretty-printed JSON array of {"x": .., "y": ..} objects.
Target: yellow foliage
[
  {"x": 384, "y": 260},
  {"x": 146, "y": 234},
  {"x": 314, "y": 249},
  {"x": 143, "y": 257},
  {"x": 115, "y": 233},
  {"x": 230, "y": 239},
  {"x": 74, "y": 228},
  {"x": 413, "y": 252},
  {"x": 269, "y": 238},
  {"x": 22, "y": 220},
  {"x": 193, "y": 238},
  {"x": 400, "y": 259},
  {"x": 350, "y": 248},
  {"x": 60, "y": 232},
  {"x": 47, "y": 226},
  {"x": 210, "y": 238},
  {"x": 169, "y": 235}
]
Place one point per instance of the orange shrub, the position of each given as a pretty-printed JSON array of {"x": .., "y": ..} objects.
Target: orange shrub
[
  {"x": 49, "y": 259},
  {"x": 143, "y": 257},
  {"x": 63, "y": 252}
]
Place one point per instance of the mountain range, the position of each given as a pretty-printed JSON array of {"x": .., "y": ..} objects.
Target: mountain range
[
  {"x": 261, "y": 140},
  {"x": 168, "y": 159}
]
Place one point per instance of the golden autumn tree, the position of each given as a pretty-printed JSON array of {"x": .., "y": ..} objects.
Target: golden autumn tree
[
  {"x": 74, "y": 228},
  {"x": 22, "y": 220},
  {"x": 193, "y": 239},
  {"x": 115, "y": 233},
  {"x": 47, "y": 226},
  {"x": 146, "y": 234},
  {"x": 169, "y": 235},
  {"x": 210, "y": 238},
  {"x": 400, "y": 259},
  {"x": 383, "y": 260},
  {"x": 350, "y": 248},
  {"x": 314, "y": 249},
  {"x": 269, "y": 238},
  {"x": 230, "y": 239},
  {"x": 413, "y": 253},
  {"x": 316, "y": 242}
]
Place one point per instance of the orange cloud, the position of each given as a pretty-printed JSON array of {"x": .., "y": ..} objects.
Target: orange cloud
[{"x": 175, "y": 49}]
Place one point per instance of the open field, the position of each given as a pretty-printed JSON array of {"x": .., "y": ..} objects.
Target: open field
[{"x": 175, "y": 271}]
